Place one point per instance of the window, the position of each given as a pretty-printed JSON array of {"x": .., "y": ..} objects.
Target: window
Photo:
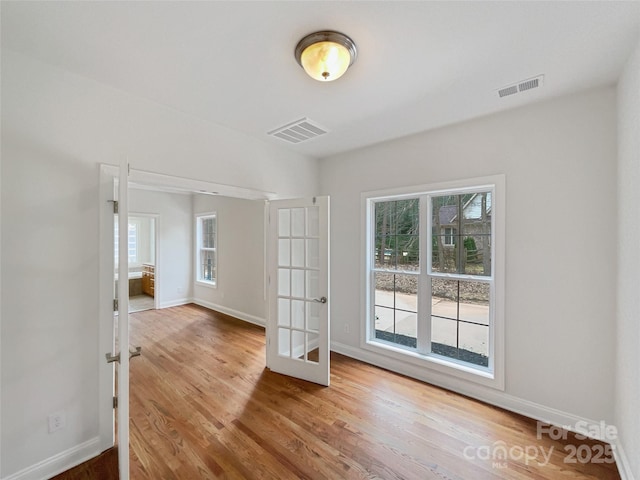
[
  {"x": 431, "y": 277},
  {"x": 449, "y": 234},
  {"x": 132, "y": 241},
  {"x": 206, "y": 248}
]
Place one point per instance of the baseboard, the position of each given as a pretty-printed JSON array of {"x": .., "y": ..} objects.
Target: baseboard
[
  {"x": 175, "y": 303},
  {"x": 488, "y": 395},
  {"x": 622, "y": 462},
  {"x": 231, "y": 312},
  {"x": 60, "y": 462}
]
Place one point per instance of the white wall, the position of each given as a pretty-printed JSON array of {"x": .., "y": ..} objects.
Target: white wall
[
  {"x": 56, "y": 129},
  {"x": 559, "y": 161},
  {"x": 628, "y": 334},
  {"x": 240, "y": 284},
  {"x": 49, "y": 301},
  {"x": 98, "y": 124},
  {"x": 175, "y": 242}
]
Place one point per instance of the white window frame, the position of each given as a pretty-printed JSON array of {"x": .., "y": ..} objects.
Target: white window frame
[
  {"x": 199, "y": 249},
  {"x": 493, "y": 374}
]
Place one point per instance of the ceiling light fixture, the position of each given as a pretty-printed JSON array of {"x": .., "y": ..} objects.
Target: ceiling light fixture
[{"x": 326, "y": 55}]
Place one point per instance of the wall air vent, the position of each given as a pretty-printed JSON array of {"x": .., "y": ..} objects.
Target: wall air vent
[
  {"x": 521, "y": 86},
  {"x": 298, "y": 131}
]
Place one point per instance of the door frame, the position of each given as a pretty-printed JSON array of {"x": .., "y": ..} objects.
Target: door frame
[{"x": 152, "y": 181}]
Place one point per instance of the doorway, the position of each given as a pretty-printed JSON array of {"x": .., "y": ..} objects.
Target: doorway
[
  {"x": 142, "y": 253},
  {"x": 247, "y": 233}
]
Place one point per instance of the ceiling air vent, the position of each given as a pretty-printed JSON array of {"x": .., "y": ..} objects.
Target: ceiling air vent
[
  {"x": 521, "y": 86},
  {"x": 298, "y": 131},
  {"x": 503, "y": 92}
]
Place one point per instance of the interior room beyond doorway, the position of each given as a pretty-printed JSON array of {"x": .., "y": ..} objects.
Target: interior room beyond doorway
[{"x": 141, "y": 249}]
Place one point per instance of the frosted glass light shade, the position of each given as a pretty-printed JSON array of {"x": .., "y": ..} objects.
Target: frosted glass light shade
[
  {"x": 325, "y": 56},
  {"x": 325, "y": 61}
]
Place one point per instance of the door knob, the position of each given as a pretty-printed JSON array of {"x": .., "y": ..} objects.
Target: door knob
[{"x": 320, "y": 300}]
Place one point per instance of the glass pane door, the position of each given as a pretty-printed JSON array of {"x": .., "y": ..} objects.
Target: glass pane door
[{"x": 299, "y": 313}]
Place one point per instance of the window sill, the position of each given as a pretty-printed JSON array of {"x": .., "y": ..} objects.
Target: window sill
[
  {"x": 481, "y": 375},
  {"x": 202, "y": 283}
]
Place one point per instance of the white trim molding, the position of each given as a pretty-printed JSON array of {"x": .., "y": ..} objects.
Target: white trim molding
[
  {"x": 624, "y": 469},
  {"x": 176, "y": 303},
  {"x": 231, "y": 312},
  {"x": 61, "y": 462},
  {"x": 198, "y": 248},
  {"x": 493, "y": 375}
]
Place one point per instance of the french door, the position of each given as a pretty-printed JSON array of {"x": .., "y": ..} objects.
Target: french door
[
  {"x": 122, "y": 364},
  {"x": 298, "y": 323}
]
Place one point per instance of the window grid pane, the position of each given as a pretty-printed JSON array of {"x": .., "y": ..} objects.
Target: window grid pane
[
  {"x": 397, "y": 242},
  {"x": 297, "y": 283},
  {"x": 461, "y": 243},
  {"x": 208, "y": 265},
  {"x": 460, "y": 320},
  {"x": 396, "y": 308}
]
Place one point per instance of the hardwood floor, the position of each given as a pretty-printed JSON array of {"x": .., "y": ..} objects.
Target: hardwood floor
[
  {"x": 204, "y": 406},
  {"x": 103, "y": 467}
]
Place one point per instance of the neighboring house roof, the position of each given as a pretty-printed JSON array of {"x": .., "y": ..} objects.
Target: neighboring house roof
[{"x": 448, "y": 213}]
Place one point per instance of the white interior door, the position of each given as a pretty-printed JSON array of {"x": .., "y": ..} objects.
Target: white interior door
[
  {"x": 123, "y": 323},
  {"x": 298, "y": 324}
]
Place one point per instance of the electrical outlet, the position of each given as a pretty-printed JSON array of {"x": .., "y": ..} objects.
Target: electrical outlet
[
  {"x": 57, "y": 421},
  {"x": 346, "y": 328},
  {"x": 179, "y": 289}
]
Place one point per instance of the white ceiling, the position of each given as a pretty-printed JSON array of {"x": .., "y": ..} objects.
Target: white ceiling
[{"x": 420, "y": 64}]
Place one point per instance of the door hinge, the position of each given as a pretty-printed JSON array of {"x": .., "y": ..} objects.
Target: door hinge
[
  {"x": 112, "y": 358},
  {"x": 314, "y": 200},
  {"x": 115, "y": 402},
  {"x": 115, "y": 304},
  {"x": 115, "y": 205}
]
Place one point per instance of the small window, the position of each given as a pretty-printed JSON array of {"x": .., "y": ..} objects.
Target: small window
[
  {"x": 206, "y": 248},
  {"x": 449, "y": 234}
]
